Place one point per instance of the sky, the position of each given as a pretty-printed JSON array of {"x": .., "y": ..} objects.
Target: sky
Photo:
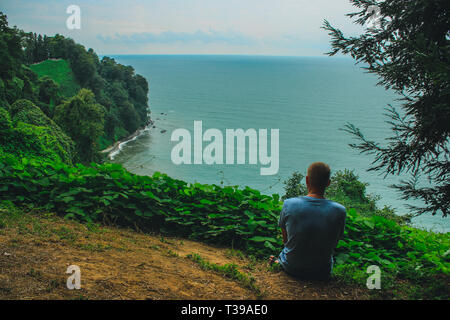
[{"x": 248, "y": 27}]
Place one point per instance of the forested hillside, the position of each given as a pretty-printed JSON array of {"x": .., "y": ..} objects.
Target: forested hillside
[{"x": 70, "y": 86}]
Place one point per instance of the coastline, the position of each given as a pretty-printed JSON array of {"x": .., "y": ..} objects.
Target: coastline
[{"x": 116, "y": 147}]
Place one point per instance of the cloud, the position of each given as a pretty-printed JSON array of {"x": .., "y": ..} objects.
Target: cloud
[
  {"x": 282, "y": 27},
  {"x": 167, "y": 37}
]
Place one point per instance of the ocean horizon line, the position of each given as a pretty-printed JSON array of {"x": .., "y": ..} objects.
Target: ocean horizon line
[{"x": 218, "y": 55}]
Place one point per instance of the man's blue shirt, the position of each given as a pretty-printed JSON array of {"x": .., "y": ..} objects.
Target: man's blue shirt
[{"x": 313, "y": 227}]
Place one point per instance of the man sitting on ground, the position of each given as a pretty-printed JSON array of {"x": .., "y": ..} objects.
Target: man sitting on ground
[{"x": 311, "y": 227}]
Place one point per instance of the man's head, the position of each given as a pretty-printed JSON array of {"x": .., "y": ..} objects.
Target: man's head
[{"x": 318, "y": 177}]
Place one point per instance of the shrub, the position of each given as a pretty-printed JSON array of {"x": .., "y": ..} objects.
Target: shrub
[
  {"x": 27, "y": 140},
  {"x": 21, "y": 105},
  {"x": 50, "y": 139},
  {"x": 83, "y": 120},
  {"x": 5, "y": 121},
  {"x": 294, "y": 187}
]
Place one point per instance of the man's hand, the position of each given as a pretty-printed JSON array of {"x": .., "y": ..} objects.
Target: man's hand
[{"x": 273, "y": 260}]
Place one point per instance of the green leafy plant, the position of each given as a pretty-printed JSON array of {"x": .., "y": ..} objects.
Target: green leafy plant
[{"x": 242, "y": 219}]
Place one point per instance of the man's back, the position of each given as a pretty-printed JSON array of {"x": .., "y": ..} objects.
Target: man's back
[{"x": 313, "y": 227}]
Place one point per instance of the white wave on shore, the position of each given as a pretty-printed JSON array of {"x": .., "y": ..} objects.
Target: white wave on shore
[{"x": 117, "y": 147}]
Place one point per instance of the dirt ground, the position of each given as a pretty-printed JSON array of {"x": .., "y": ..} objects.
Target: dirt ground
[{"x": 122, "y": 264}]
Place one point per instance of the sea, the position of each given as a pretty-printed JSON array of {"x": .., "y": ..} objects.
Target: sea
[{"x": 308, "y": 100}]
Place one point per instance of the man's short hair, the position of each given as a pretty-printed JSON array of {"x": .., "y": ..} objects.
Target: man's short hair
[{"x": 319, "y": 175}]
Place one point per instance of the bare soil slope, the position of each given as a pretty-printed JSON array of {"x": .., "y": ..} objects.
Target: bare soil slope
[{"x": 35, "y": 251}]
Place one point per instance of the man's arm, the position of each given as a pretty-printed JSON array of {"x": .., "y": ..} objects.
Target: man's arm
[
  {"x": 285, "y": 238},
  {"x": 282, "y": 222}
]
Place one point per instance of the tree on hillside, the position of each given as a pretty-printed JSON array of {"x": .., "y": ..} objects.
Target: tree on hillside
[
  {"x": 48, "y": 90},
  {"x": 10, "y": 49},
  {"x": 408, "y": 48},
  {"x": 15, "y": 79},
  {"x": 83, "y": 120},
  {"x": 129, "y": 117},
  {"x": 82, "y": 65}
]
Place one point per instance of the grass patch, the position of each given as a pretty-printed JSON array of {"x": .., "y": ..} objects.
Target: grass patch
[
  {"x": 228, "y": 270},
  {"x": 171, "y": 253},
  {"x": 93, "y": 227},
  {"x": 34, "y": 273},
  {"x": 53, "y": 284},
  {"x": 233, "y": 253},
  {"x": 60, "y": 72},
  {"x": 275, "y": 268},
  {"x": 94, "y": 247},
  {"x": 65, "y": 234}
]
